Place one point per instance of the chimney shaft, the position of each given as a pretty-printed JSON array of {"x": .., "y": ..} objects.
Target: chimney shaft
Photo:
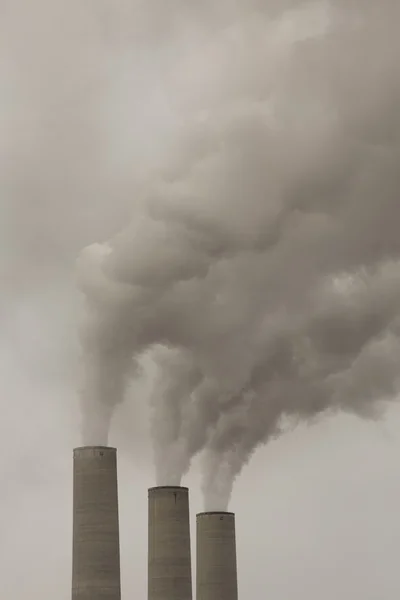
[
  {"x": 216, "y": 556},
  {"x": 169, "y": 557},
  {"x": 96, "y": 560}
]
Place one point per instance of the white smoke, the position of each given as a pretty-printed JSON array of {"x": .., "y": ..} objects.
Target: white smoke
[{"x": 261, "y": 271}]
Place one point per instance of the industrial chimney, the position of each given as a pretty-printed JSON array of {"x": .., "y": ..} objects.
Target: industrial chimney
[
  {"x": 169, "y": 558},
  {"x": 96, "y": 561},
  {"x": 216, "y": 556}
]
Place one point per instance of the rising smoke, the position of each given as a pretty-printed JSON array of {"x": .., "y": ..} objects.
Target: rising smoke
[{"x": 262, "y": 270}]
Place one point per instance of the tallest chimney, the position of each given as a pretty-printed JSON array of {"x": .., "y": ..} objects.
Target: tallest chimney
[{"x": 96, "y": 563}]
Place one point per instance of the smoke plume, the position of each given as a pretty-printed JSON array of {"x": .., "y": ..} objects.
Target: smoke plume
[{"x": 261, "y": 269}]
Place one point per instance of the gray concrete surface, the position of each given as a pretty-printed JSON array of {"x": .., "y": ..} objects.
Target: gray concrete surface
[
  {"x": 96, "y": 557},
  {"x": 216, "y": 576},
  {"x": 169, "y": 556}
]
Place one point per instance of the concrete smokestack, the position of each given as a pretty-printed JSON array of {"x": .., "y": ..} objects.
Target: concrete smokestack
[
  {"x": 96, "y": 561},
  {"x": 169, "y": 566},
  {"x": 216, "y": 556}
]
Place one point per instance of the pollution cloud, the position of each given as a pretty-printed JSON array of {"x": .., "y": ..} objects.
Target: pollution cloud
[{"x": 261, "y": 268}]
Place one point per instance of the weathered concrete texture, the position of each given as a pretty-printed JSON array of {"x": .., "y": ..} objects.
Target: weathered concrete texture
[
  {"x": 216, "y": 556},
  {"x": 96, "y": 560},
  {"x": 169, "y": 566}
]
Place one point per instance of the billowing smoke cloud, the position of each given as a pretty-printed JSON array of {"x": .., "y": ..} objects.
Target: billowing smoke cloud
[{"x": 261, "y": 269}]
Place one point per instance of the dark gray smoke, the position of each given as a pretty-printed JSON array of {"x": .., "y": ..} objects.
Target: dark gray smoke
[{"x": 261, "y": 269}]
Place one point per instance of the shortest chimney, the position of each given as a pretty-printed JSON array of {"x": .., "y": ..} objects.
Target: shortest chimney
[{"x": 216, "y": 556}]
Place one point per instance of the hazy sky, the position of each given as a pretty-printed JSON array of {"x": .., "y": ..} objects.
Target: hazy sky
[{"x": 91, "y": 96}]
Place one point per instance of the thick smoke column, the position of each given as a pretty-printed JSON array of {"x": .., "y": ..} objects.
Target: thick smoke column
[
  {"x": 176, "y": 377},
  {"x": 263, "y": 271}
]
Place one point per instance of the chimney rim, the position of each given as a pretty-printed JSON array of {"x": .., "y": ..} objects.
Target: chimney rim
[
  {"x": 108, "y": 448},
  {"x": 168, "y": 487},
  {"x": 215, "y": 512}
]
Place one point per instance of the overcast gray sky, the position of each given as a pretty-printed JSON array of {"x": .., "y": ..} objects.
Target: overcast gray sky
[{"x": 91, "y": 96}]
